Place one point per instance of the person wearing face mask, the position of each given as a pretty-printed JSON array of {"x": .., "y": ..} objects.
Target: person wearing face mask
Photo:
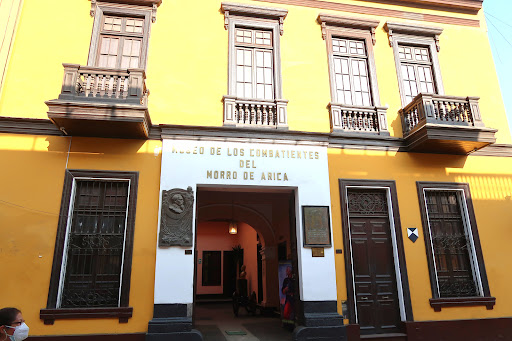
[{"x": 12, "y": 325}]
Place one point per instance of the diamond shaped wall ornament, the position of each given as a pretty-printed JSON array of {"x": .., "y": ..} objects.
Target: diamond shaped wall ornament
[{"x": 412, "y": 233}]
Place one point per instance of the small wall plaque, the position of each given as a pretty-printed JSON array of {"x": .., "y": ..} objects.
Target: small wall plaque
[
  {"x": 176, "y": 217},
  {"x": 317, "y": 251},
  {"x": 317, "y": 227},
  {"x": 412, "y": 233}
]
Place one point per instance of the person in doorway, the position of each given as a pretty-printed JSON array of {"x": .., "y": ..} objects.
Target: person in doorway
[
  {"x": 288, "y": 290},
  {"x": 12, "y": 325}
]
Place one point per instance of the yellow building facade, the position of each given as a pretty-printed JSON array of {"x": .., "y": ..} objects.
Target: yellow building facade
[{"x": 364, "y": 141}]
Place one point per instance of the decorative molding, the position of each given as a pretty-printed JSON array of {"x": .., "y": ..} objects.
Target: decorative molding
[
  {"x": 50, "y": 315},
  {"x": 253, "y": 11},
  {"x": 93, "y": 8},
  {"x": 153, "y": 13},
  {"x": 32, "y": 126},
  {"x": 439, "y": 303},
  {"x": 347, "y": 22},
  {"x": 343, "y": 140},
  {"x": 414, "y": 30},
  {"x": 500, "y": 150},
  {"x": 335, "y": 6},
  {"x": 91, "y": 337},
  {"x": 472, "y": 6},
  {"x": 153, "y": 3}
]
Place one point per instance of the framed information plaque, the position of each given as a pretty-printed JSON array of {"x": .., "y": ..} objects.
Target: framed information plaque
[{"x": 317, "y": 227}]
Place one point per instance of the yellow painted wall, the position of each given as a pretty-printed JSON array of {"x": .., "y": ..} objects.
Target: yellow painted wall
[
  {"x": 9, "y": 13},
  {"x": 490, "y": 181},
  {"x": 188, "y": 56},
  {"x": 31, "y": 181},
  {"x": 187, "y": 77}
]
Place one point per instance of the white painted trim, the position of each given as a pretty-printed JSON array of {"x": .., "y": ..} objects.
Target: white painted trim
[
  {"x": 398, "y": 273},
  {"x": 66, "y": 241}
]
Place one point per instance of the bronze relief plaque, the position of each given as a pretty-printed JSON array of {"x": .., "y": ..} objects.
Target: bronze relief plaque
[
  {"x": 176, "y": 217},
  {"x": 317, "y": 228}
]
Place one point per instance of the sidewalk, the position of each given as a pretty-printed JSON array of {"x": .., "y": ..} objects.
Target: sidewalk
[{"x": 214, "y": 319}]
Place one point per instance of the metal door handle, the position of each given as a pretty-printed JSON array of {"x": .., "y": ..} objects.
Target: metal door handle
[{"x": 364, "y": 298}]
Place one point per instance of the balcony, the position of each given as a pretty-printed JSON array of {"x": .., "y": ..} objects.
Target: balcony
[
  {"x": 255, "y": 113},
  {"x": 101, "y": 102},
  {"x": 444, "y": 125},
  {"x": 358, "y": 119}
]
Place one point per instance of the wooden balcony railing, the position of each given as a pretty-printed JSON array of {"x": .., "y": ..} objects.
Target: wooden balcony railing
[
  {"x": 90, "y": 83},
  {"x": 441, "y": 110},
  {"x": 359, "y": 119},
  {"x": 258, "y": 113}
]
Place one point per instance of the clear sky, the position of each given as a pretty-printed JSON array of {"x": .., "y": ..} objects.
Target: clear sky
[{"x": 498, "y": 14}]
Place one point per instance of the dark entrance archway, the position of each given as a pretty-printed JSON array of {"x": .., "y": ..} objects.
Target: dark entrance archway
[{"x": 271, "y": 215}]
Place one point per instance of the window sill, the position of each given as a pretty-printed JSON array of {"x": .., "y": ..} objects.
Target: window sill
[
  {"x": 50, "y": 315},
  {"x": 439, "y": 303}
]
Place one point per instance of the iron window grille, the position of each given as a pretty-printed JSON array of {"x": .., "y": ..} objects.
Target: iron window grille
[
  {"x": 95, "y": 243},
  {"x": 92, "y": 260},
  {"x": 457, "y": 271},
  {"x": 455, "y": 261}
]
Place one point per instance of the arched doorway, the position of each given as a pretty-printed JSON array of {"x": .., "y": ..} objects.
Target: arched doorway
[{"x": 266, "y": 234}]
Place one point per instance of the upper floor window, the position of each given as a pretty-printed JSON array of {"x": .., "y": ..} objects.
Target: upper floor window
[
  {"x": 121, "y": 42},
  {"x": 355, "y": 104},
  {"x": 415, "y": 49},
  {"x": 416, "y": 71},
  {"x": 120, "y": 35},
  {"x": 254, "y": 67},
  {"x": 351, "y": 76},
  {"x": 254, "y": 64}
]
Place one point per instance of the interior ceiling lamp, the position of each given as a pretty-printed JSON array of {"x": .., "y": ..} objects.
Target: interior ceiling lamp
[{"x": 233, "y": 227}]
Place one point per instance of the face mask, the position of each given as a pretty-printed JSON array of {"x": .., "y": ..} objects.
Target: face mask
[{"x": 20, "y": 332}]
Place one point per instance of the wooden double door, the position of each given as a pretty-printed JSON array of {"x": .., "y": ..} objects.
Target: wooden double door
[{"x": 373, "y": 264}]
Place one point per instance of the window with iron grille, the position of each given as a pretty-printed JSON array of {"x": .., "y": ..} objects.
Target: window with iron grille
[
  {"x": 94, "y": 246},
  {"x": 457, "y": 274},
  {"x": 350, "y": 68},
  {"x": 416, "y": 71},
  {"x": 454, "y": 254}
]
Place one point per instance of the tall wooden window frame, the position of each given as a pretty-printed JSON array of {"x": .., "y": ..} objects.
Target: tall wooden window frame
[
  {"x": 351, "y": 29},
  {"x": 475, "y": 252},
  {"x": 420, "y": 37},
  {"x": 254, "y": 18},
  {"x": 122, "y": 310},
  {"x": 131, "y": 12}
]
